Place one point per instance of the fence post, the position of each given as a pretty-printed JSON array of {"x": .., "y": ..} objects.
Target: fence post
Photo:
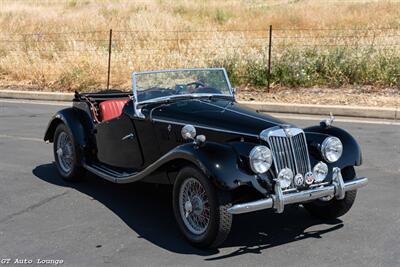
[
  {"x": 269, "y": 58},
  {"x": 178, "y": 43},
  {"x": 109, "y": 60}
]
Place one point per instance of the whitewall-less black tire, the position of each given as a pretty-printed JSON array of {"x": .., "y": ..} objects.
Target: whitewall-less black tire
[
  {"x": 334, "y": 208},
  {"x": 200, "y": 209},
  {"x": 66, "y": 154}
]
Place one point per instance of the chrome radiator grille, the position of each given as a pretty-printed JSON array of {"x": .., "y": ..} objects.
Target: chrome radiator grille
[{"x": 289, "y": 149}]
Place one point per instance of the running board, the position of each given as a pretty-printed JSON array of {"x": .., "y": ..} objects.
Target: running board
[
  {"x": 124, "y": 178},
  {"x": 112, "y": 175}
]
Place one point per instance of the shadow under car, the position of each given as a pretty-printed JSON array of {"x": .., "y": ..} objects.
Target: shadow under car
[{"x": 143, "y": 206}]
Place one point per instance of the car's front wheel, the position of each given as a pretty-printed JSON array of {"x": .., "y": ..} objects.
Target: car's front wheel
[
  {"x": 201, "y": 209},
  {"x": 334, "y": 208}
]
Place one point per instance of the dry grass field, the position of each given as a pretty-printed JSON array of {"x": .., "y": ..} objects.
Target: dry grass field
[{"x": 63, "y": 44}]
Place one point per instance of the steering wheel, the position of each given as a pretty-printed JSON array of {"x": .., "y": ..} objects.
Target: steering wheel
[
  {"x": 153, "y": 92},
  {"x": 196, "y": 84}
]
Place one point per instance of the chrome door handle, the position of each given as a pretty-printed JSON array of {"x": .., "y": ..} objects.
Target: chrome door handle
[{"x": 129, "y": 136}]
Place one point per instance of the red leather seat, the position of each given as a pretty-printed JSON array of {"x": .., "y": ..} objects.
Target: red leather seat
[{"x": 111, "y": 109}]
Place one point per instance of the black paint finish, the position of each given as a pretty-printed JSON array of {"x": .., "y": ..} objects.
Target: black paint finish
[
  {"x": 231, "y": 130},
  {"x": 80, "y": 125},
  {"x": 118, "y": 143},
  {"x": 351, "y": 150},
  {"x": 221, "y": 114}
]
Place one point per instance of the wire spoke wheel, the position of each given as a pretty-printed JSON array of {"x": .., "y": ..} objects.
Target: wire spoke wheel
[
  {"x": 194, "y": 206},
  {"x": 64, "y": 152},
  {"x": 200, "y": 208},
  {"x": 67, "y": 156}
]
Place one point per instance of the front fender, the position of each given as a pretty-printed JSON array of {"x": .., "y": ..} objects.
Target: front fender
[
  {"x": 351, "y": 150},
  {"x": 219, "y": 162}
]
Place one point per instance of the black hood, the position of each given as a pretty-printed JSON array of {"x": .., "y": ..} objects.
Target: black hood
[{"x": 216, "y": 113}]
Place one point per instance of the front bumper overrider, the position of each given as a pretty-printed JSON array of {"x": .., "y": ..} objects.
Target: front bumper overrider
[{"x": 336, "y": 189}]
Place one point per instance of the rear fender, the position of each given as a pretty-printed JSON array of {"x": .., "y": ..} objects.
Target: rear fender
[{"x": 77, "y": 121}]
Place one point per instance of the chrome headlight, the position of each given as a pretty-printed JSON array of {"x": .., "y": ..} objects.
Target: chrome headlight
[
  {"x": 260, "y": 159},
  {"x": 331, "y": 149}
]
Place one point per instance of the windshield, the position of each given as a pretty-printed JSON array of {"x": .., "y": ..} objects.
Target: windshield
[{"x": 184, "y": 82}]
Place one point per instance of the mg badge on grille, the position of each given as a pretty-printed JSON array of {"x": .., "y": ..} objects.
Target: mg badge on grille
[
  {"x": 298, "y": 179},
  {"x": 309, "y": 178},
  {"x": 288, "y": 132}
]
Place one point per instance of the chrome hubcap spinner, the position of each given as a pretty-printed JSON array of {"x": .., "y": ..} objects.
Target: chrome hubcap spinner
[{"x": 193, "y": 206}]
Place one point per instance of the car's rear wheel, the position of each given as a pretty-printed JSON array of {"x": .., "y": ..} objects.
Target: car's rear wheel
[
  {"x": 66, "y": 154},
  {"x": 334, "y": 208},
  {"x": 201, "y": 209}
]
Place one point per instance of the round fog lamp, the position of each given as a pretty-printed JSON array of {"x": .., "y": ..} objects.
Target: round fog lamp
[
  {"x": 285, "y": 177},
  {"x": 320, "y": 171}
]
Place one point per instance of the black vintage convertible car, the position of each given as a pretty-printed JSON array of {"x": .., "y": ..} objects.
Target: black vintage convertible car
[{"x": 184, "y": 128}]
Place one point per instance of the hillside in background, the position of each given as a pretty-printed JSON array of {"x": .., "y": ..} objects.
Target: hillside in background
[
  {"x": 26, "y": 16},
  {"x": 64, "y": 45}
]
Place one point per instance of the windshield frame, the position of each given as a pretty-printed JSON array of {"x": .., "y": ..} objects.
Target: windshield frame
[{"x": 164, "y": 98}]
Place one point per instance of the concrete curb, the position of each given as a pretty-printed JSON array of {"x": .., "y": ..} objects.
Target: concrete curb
[
  {"x": 348, "y": 111},
  {"x": 36, "y": 95}
]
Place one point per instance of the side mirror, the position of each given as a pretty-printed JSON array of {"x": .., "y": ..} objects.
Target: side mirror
[{"x": 234, "y": 90}]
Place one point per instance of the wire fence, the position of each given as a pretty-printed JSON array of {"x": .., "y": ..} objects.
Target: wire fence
[{"x": 111, "y": 56}]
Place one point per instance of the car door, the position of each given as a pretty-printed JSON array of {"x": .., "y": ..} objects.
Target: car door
[{"x": 118, "y": 144}]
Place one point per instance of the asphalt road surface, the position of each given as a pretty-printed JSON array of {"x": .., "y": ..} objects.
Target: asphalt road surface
[{"x": 97, "y": 223}]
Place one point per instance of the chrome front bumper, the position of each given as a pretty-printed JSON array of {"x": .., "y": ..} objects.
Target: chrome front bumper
[{"x": 337, "y": 189}]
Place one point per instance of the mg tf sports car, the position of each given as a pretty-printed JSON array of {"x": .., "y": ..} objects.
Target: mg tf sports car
[{"x": 184, "y": 128}]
